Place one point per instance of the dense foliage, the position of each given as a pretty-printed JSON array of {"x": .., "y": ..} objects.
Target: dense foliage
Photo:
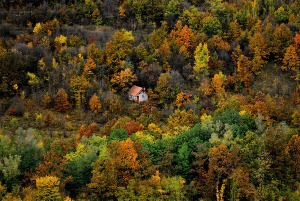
[{"x": 223, "y": 115}]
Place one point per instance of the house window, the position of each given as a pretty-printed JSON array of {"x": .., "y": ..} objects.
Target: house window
[{"x": 142, "y": 96}]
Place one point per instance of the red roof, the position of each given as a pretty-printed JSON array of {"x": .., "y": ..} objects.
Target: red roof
[{"x": 135, "y": 90}]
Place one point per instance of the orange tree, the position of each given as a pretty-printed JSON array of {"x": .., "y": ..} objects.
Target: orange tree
[
  {"x": 54, "y": 162},
  {"x": 94, "y": 103},
  {"x": 61, "y": 101},
  {"x": 115, "y": 171}
]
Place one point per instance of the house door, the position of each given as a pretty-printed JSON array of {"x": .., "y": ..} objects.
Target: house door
[{"x": 138, "y": 99}]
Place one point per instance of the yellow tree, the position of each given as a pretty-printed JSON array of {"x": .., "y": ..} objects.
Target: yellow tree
[
  {"x": 175, "y": 32},
  {"x": 201, "y": 59},
  {"x": 234, "y": 31},
  {"x": 48, "y": 188},
  {"x": 182, "y": 118},
  {"x": 259, "y": 46},
  {"x": 217, "y": 84},
  {"x": 236, "y": 54},
  {"x": 257, "y": 63},
  {"x": 40, "y": 29},
  {"x": 96, "y": 17},
  {"x": 157, "y": 38},
  {"x": 282, "y": 38},
  {"x": 79, "y": 86},
  {"x": 61, "y": 42},
  {"x": 93, "y": 53},
  {"x": 123, "y": 80},
  {"x": 117, "y": 50},
  {"x": 122, "y": 12},
  {"x": 291, "y": 59}
]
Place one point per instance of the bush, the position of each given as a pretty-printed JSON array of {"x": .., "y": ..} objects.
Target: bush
[
  {"x": 13, "y": 121},
  {"x": 240, "y": 124},
  {"x": 12, "y": 112}
]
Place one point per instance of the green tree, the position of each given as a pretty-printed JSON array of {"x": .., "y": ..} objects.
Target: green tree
[
  {"x": 182, "y": 158},
  {"x": 10, "y": 169},
  {"x": 172, "y": 8},
  {"x": 167, "y": 94},
  {"x": 6, "y": 146},
  {"x": 185, "y": 145},
  {"x": 281, "y": 15},
  {"x": 79, "y": 162},
  {"x": 215, "y": 5},
  {"x": 157, "y": 38},
  {"x": 211, "y": 26},
  {"x": 118, "y": 134},
  {"x": 30, "y": 148},
  {"x": 192, "y": 17}
]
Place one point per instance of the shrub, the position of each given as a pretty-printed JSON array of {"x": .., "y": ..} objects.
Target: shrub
[
  {"x": 12, "y": 112},
  {"x": 13, "y": 121}
]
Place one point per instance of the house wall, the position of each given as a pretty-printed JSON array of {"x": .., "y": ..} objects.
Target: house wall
[
  {"x": 130, "y": 97},
  {"x": 143, "y": 96}
]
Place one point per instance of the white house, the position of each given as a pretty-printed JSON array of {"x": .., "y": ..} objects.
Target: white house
[{"x": 137, "y": 94}]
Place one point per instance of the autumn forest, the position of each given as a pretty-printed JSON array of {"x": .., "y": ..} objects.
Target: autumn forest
[{"x": 221, "y": 122}]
